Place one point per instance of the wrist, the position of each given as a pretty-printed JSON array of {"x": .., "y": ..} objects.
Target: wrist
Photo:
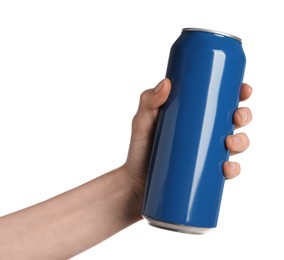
[{"x": 136, "y": 186}]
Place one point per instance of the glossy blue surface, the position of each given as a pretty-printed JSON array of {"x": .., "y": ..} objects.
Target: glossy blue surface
[{"x": 185, "y": 179}]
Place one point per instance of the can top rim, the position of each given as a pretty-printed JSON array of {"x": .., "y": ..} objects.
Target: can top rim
[{"x": 211, "y": 31}]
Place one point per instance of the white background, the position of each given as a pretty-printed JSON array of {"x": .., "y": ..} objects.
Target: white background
[{"x": 71, "y": 73}]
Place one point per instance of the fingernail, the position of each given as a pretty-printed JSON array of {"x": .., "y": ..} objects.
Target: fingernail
[
  {"x": 244, "y": 115},
  {"x": 236, "y": 140},
  {"x": 158, "y": 87}
]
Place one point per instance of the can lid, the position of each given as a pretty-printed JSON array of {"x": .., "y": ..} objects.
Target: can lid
[{"x": 211, "y": 31}]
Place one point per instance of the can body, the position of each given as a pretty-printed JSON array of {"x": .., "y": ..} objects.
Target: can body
[{"x": 185, "y": 178}]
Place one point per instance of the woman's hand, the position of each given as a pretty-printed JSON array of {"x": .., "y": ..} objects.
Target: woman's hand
[{"x": 143, "y": 127}]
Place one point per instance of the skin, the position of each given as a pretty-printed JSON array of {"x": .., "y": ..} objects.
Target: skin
[{"x": 78, "y": 219}]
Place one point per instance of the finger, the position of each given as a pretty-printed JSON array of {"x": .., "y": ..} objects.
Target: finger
[
  {"x": 246, "y": 91},
  {"x": 231, "y": 169},
  {"x": 237, "y": 143},
  {"x": 242, "y": 117},
  {"x": 152, "y": 99}
]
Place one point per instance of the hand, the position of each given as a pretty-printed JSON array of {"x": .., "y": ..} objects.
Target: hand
[
  {"x": 238, "y": 143},
  {"x": 143, "y": 127}
]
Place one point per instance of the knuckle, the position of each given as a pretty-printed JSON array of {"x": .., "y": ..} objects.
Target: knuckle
[{"x": 143, "y": 96}]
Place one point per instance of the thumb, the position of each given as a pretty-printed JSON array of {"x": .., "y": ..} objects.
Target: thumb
[{"x": 152, "y": 99}]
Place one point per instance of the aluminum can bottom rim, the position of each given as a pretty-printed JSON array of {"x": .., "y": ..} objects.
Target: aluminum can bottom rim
[{"x": 176, "y": 227}]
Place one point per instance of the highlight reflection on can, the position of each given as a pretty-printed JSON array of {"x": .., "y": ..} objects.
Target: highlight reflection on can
[{"x": 185, "y": 179}]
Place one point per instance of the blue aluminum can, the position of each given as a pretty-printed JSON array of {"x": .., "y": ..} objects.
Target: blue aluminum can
[{"x": 185, "y": 179}]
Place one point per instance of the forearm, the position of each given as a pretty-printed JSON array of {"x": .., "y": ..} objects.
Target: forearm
[{"x": 72, "y": 222}]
